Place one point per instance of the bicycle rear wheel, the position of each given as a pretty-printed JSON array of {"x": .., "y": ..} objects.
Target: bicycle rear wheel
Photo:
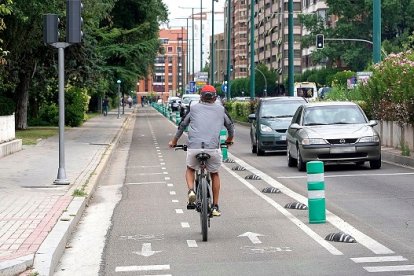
[{"x": 204, "y": 209}]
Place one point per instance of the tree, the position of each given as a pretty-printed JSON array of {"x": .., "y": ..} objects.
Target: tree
[{"x": 355, "y": 21}]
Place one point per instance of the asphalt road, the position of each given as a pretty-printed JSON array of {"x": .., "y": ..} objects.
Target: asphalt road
[{"x": 151, "y": 232}]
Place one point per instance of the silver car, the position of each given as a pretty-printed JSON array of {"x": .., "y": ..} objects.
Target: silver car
[{"x": 332, "y": 132}]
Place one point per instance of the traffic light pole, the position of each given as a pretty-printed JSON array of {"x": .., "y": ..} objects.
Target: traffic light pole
[{"x": 61, "y": 176}]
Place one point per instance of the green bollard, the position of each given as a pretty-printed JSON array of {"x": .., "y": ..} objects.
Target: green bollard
[
  {"x": 316, "y": 192},
  {"x": 177, "y": 118},
  {"x": 223, "y": 137}
]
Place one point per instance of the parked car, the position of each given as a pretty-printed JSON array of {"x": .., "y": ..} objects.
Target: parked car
[
  {"x": 332, "y": 132},
  {"x": 270, "y": 122},
  {"x": 174, "y": 103}
]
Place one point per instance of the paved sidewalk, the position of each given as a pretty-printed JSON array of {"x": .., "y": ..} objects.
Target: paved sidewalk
[
  {"x": 36, "y": 216},
  {"x": 31, "y": 205}
]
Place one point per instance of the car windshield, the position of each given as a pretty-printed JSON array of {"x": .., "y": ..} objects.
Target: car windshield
[
  {"x": 335, "y": 114},
  {"x": 279, "y": 109}
]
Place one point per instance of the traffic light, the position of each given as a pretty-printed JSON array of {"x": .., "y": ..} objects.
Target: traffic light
[
  {"x": 74, "y": 21},
  {"x": 319, "y": 41},
  {"x": 50, "y": 28}
]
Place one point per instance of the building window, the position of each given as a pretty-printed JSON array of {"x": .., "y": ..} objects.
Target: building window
[
  {"x": 178, "y": 49},
  {"x": 169, "y": 49}
]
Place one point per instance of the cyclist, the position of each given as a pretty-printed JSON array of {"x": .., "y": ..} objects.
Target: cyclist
[{"x": 204, "y": 121}]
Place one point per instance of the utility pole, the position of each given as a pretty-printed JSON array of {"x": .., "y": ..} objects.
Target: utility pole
[
  {"x": 229, "y": 3},
  {"x": 252, "y": 73},
  {"x": 376, "y": 31},
  {"x": 291, "y": 72}
]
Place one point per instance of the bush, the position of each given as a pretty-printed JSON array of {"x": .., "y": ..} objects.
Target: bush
[
  {"x": 49, "y": 114},
  {"x": 390, "y": 89},
  {"x": 76, "y": 106},
  {"x": 7, "y": 106},
  {"x": 239, "y": 111}
]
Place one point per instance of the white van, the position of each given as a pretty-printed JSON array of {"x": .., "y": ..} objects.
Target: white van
[{"x": 306, "y": 89}]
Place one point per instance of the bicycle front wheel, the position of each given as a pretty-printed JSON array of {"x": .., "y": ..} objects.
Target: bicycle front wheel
[{"x": 204, "y": 209}]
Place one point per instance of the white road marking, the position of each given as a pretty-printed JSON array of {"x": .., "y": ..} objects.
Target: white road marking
[
  {"x": 379, "y": 259},
  {"x": 192, "y": 243},
  {"x": 162, "y": 164},
  {"x": 146, "y": 250},
  {"x": 145, "y": 183},
  {"x": 170, "y": 185},
  {"x": 253, "y": 237},
  {"x": 179, "y": 211},
  {"x": 185, "y": 225},
  {"x": 141, "y": 268},
  {"x": 167, "y": 178},
  {"x": 291, "y": 217},
  {"x": 389, "y": 268},
  {"x": 172, "y": 192},
  {"x": 163, "y": 168},
  {"x": 174, "y": 201},
  {"x": 161, "y": 160},
  {"x": 151, "y": 173},
  {"x": 165, "y": 172},
  {"x": 347, "y": 175},
  {"x": 368, "y": 242}
]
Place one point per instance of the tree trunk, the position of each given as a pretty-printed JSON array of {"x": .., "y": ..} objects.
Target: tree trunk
[{"x": 22, "y": 100}]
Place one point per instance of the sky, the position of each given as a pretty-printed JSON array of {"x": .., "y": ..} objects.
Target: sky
[{"x": 176, "y": 9}]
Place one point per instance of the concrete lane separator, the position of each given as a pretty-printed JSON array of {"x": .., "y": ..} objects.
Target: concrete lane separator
[
  {"x": 330, "y": 248},
  {"x": 363, "y": 239}
]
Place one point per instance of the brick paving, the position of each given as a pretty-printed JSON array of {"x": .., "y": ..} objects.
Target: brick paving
[{"x": 26, "y": 219}]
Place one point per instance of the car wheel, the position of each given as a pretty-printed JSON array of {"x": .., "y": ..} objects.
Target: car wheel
[
  {"x": 290, "y": 160},
  {"x": 375, "y": 164},
  {"x": 300, "y": 164},
  {"x": 260, "y": 152},
  {"x": 254, "y": 148}
]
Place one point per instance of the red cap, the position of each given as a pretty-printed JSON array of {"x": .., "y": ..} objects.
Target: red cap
[{"x": 208, "y": 88}]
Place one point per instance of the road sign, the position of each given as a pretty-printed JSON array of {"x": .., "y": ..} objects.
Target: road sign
[
  {"x": 224, "y": 87},
  {"x": 192, "y": 87}
]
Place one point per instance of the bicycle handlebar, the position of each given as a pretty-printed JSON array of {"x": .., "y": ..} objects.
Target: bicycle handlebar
[{"x": 184, "y": 147}]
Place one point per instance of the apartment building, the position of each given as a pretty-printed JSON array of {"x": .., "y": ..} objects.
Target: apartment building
[
  {"x": 220, "y": 58},
  {"x": 238, "y": 37},
  {"x": 169, "y": 76}
]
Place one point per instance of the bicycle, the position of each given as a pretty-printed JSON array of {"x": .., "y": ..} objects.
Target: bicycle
[{"x": 202, "y": 187}]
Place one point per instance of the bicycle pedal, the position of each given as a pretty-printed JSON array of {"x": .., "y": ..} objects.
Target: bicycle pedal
[{"x": 191, "y": 206}]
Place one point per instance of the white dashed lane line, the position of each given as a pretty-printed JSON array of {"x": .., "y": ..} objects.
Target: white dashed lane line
[
  {"x": 192, "y": 243},
  {"x": 185, "y": 225}
]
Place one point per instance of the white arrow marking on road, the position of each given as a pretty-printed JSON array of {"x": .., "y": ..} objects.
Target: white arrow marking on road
[
  {"x": 146, "y": 250},
  {"x": 253, "y": 237}
]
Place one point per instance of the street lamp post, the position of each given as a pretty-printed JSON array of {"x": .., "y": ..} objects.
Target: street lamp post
[
  {"x": 376, "y": 6},
  {"x": 212, "y": 42},
  {"x": 119, "y": 96},
  {"x": 291, "y": 73},
  {"x": 252, "y": 80},
  {"x": 201, "y": 35},
  {"x": 228, "y": 47}
]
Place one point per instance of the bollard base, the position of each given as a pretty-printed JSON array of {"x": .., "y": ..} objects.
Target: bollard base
[{"x": 317, "y": 211}]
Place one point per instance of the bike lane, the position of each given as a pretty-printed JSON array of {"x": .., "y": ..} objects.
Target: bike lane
[{"x": 152, "y": 231}]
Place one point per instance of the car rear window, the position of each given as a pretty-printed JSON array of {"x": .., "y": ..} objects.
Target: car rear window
[
  {"x": 279, "y": 109},
  {"x": 335, "y": 114}
]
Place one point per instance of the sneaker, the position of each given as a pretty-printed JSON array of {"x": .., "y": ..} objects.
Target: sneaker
[
  {"x": 191, "y": 196},
  {"x": 215, "y": 211}
]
